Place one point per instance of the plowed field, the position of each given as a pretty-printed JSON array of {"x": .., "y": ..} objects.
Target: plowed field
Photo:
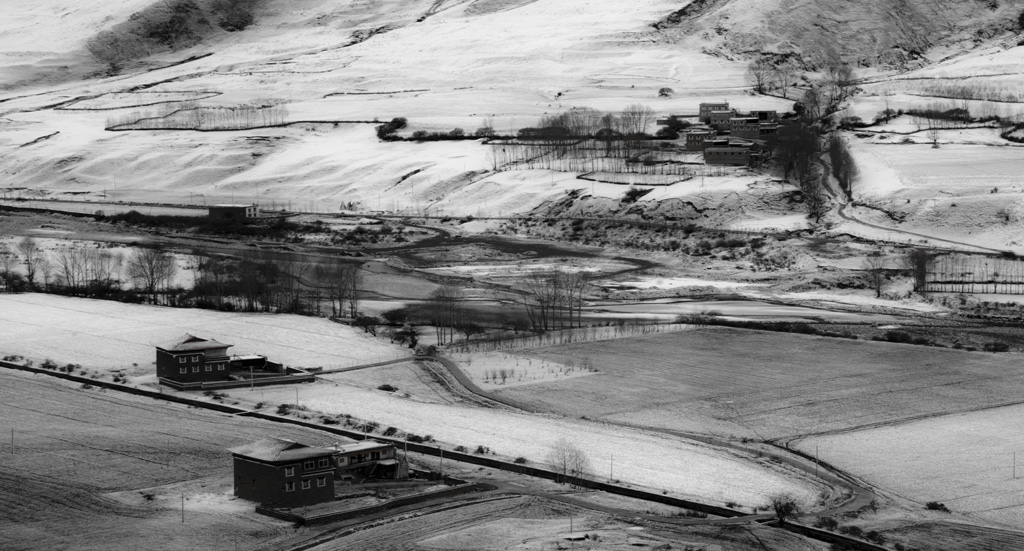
[
  {"x": 82, "y": 460},
  {"x": 770, "y": 385}
]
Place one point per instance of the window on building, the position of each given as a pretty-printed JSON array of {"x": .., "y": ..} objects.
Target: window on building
[
  {"x": 289, "y": 486},
  {"x": 321, "y": 482},
  {"x": 182, "y": 359},
  {"x": 209, "y": 368},
  {"x": 374, "y": 456},
  {"x": 183, "y": 370},
  {"x": 306, "y": 484},
  {"x": 324, "y": 462},
  {"x": 195, "y": 358},
  {"x": 220, "y": 367},
  {"x": 195, "y": 369},
  {"x": 308, "y": 464},
  {"x": 289, "y": 471}
]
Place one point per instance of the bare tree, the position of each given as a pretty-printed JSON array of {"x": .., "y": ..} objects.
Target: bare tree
[
  {"x": 933, "y": 136},
  {"x": 151, "y": 270},
  {"x": 759, "y": 74},
  {"x": 569, "y": 462},
  {"x": 32, "y": 256},
  {"x": 635, "y": 119},
  {"x": 71, "y": 264},
  {"x": 874, "y": 267},
  {"x": 918, "y": 262},
  {"x": 783, "y": 77},
  {"x": 7, "y": 262},
  {"x": 784, "y": 506},
  {"x": 815, "y": 199},
  {"x": 445, "y": 311},
  {"x": 813, "y": 103},
  {"x": 342, "y": 280}
]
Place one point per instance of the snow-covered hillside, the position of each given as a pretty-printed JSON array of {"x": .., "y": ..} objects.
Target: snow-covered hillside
[{"x": 331, "y": 68}]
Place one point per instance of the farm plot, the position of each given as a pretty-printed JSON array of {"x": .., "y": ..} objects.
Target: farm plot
[
  {"x": 768, "y": 385},
  {"x": 659, "y": 461},
  {"x": 111, "y": 335},
  {"x": 534, "y": 523},
  {"x": 498, "y": 370},
  {"x": 85, "y": 460},
  {"x": 965, "y": 461}
]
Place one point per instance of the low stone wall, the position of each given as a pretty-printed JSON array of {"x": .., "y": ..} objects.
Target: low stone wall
[{"x": 338, "y": 516}]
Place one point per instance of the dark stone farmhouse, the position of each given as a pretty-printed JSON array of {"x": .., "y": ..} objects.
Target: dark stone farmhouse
[
  {"x": 281, "y": 473},
  {"x": 193, "y": 359}
]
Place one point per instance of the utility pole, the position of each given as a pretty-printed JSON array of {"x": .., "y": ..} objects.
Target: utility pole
[
  {"x": 296, "y": 398},
  {"x": 815, "y": 461},
  {"x": 441, "y": 466},
  {"x": 183, "y": 506},
  {"x": 252, "y": 382}
]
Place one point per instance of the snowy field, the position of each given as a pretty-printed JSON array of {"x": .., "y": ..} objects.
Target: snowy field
[
  {"x": 498, "y": 370},
  {"x": 110, "y": 335},
  {"x": 652, "y": 460},
  {"x": 965, "y": 461}
]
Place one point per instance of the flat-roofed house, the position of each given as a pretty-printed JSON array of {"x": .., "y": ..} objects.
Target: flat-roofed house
[
  {"x": 233, "y": 212},
  {"x": 367, "y": 458},
  {"x": 719, "y": 120},
  {"x": 193, "y": 359},
  {"x": 281, "y": 473},
  {"x": 695, "y": 139},
  {"x": 707, "y": 108}
]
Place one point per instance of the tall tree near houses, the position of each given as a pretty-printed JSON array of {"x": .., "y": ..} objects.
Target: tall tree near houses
[
  {"x": 635, "y": 119},
  {"x": 759, "y": 74},
  {"x": 783, "y": 76}
]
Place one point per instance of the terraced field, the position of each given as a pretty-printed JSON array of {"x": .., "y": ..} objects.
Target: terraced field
[{"x": 769, "y": 385}]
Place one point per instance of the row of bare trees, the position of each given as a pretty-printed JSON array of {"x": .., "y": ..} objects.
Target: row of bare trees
[
  {"x": 554, "y": 300},
  {"x": 190, "y": 116},
  {"x": 85, "y": 271},
  {"x": 257, "y": 281}
]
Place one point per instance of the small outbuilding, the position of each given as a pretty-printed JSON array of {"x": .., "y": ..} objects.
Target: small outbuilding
[
  {"x": 233, "y": 212},
  {"x": 281, "y": 473}
]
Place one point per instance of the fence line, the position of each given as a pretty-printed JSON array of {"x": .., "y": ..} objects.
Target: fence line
[{"x": 568, "y": 336}]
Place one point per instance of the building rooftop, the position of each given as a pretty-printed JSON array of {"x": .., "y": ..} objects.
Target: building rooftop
[
  {"x": 234, "y": 206},
  {"x": 364, "y": 445},
  {"x": 192, "y": 343},
  {"x": 277, "y": 450}
]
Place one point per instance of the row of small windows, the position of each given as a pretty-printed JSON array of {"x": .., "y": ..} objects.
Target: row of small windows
[
  {"x": 184, "y": 359},
  {"x": 323, "y": 462},
  {"x": 321, "y": 481},
  {"x": 195, "y": 368}
]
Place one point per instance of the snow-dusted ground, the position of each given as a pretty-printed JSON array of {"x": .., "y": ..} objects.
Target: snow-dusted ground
[
  {"x": 965, "y": 461},
  {"x": 652, "y": 460},
  {"x": 110, "y": 335},
  {"x": 498, "y": 370}
]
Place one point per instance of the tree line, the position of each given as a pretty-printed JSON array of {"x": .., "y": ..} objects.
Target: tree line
[{"x": 250, "y": 281}]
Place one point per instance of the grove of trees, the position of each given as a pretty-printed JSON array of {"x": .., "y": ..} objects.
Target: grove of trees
[{"x": 569, "y": 462}]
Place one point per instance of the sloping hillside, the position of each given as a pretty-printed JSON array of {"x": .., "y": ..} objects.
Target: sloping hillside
[{"x": 892, "y": 33}]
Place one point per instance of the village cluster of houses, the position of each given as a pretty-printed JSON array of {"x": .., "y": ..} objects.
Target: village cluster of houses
[
  {"x": 728, "y": 137},
  {"x": 274, "y": 472}
]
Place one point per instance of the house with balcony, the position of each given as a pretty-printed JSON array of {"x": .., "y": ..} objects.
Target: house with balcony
[{"x": 355, "y": 461}]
